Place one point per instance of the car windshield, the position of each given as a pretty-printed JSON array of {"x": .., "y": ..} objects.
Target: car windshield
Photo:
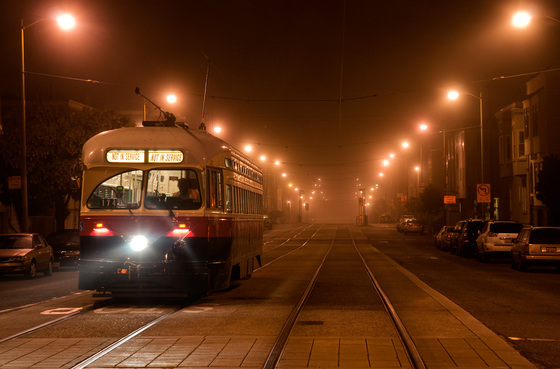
[
  {"x": 15, "y": 242},
  {"x": 122, "y": 191},
  {"x": 173, "y": 189},
  {"x": 475, "y": 226},
  {"x": 545, "y": 236},
  {"x": 506, "y": 227}
]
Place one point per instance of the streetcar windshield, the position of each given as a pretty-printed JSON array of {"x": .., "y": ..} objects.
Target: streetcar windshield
[
  {"x": 173, "y": 189},
  {"x": 122, "y": 191}
]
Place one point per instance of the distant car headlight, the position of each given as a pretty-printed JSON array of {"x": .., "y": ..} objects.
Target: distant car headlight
[{"x": 138, "y": 243}]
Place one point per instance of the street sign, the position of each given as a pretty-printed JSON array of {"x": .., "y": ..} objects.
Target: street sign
[
  {"x": 449, "y": 199},
  {"x": 483, "y": 192}
]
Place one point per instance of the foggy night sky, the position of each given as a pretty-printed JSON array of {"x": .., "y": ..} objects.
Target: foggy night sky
[{"x": 279, "y": 68}]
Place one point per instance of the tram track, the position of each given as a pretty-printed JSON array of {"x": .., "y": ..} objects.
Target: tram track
[
  {"x": 123, "y": 340},
  {"x": 328, "y": 257},
  {"x": 280, "y": 344}
]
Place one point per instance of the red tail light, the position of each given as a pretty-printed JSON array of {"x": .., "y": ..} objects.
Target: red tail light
[
  {"x": 180, "y": 231},
  {"x": 100, "y": 230}
]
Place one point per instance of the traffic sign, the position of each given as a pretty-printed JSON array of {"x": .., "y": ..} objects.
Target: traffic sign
[
  {"x": 483, "y": 192},
  {"x": 449, "y": 199}
]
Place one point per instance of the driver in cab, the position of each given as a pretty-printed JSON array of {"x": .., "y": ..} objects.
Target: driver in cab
[{"x": 188, "y": 189}]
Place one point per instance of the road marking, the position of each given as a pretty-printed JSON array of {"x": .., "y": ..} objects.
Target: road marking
[
  {"x": 129, "y": 310},
  {"x": 61, "y": 311},
  {"x": 533, "y": 339}
]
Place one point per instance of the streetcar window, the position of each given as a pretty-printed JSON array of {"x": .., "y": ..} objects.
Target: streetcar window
[
  {"x": 228, "y": 199},
  {"x": 122, "y": 191},
  {"x": 173, "y": 189},
  {"x": 215, "y": 195}
]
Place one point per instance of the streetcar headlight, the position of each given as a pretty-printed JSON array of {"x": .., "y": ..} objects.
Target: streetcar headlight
[{"x": 138, "y": 243}]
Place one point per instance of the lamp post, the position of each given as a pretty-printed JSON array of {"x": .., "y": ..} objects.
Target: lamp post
[
  {"x": 454, "y": 95},
  {"x": 65, "y": 22}
]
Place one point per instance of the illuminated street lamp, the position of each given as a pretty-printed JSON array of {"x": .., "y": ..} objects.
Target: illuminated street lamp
[
  {"x": 171, "y": 99},
  {"x": 522, "y": 19},
  {"x": 66, "y": 22},
  {"x": 454, "y": 95}
]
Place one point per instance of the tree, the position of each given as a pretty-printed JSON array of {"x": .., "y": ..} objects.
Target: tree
[
  {"x": 546, "y": 190},
  {"x": 55, "y": 136}
]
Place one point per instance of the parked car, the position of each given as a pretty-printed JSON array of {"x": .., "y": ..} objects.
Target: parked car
[
  {"x": 402, "y": 221},
  {"x": 267, "y": 222},
  {"x": 496, "y": 237},
  {"x": 455, "y": 235},
  {"x": 466, "y": 241},
  {"x": 66, "y": 247},
  {"x": 384, "y": 218},
  {"x": 25, "y": 253},
  {"x": 443, "y": 237},
  {"x": 413, "y": 226},
  {"x": 536, "y": 246}
]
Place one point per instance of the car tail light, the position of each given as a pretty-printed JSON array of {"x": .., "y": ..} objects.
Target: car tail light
[
  {"x": 100, "y": 230},
  {"x": 180, "y": 230}
]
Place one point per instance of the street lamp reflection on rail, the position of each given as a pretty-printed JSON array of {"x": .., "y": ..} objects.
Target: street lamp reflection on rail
[{"x": 66, "y": 22}]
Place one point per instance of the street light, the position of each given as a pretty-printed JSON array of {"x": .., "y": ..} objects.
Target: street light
[
  {"x": 522, "y": 19},
  {"x": 65, "y": 22},
  {"x": 454, "y": 95},
  {"x": 170, "y": 98}
]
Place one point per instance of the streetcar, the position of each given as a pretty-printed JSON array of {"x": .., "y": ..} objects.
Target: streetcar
[{"x": 167, "y": 210}]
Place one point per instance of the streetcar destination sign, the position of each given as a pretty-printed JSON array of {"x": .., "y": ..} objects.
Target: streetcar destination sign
[
  {"x": 165, "y": 156},
  {"x": 125, "y": 156},
  {"x": 139, "y": 156}
]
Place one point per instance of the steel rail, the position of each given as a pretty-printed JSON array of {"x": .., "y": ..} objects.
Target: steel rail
[
  {"x": 288, "y": 253},
  {"x": 410, "y": 347},
  {"x": 122, "y": 340},
  {"x": 288, "y": 239},
  {"x": 282, "y": 338},
  {"x": 57, "y": 320}
]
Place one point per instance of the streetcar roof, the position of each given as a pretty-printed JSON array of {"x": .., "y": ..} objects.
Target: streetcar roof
[{"x": 197, "y": 146}]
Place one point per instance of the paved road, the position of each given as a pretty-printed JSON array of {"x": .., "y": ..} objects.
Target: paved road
[
  {"x": 520, "y": 307},
  {"x": 17, "y": 290}
]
